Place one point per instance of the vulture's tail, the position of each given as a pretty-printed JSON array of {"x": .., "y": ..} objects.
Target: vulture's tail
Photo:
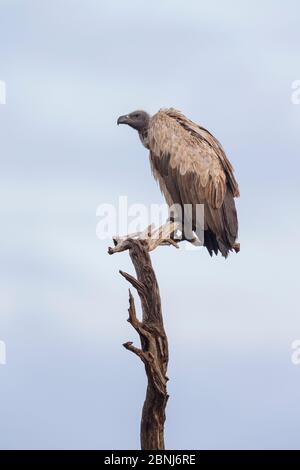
[{"x": 222, "y": 230}]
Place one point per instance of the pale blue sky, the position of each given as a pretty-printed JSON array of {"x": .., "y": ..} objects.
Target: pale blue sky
[{"x": 71, "y": 67}]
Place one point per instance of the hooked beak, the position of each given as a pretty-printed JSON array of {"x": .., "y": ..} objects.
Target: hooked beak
[{"x": 123, "y": 119}]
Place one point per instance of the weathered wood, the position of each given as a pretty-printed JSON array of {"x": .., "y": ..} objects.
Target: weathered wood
[{"x": 154, "y": 343}]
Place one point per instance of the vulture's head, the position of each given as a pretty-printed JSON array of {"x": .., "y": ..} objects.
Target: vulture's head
[{"x": 138, "y": 120}]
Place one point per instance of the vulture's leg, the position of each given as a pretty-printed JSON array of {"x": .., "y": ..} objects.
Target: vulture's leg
[
  {"x": 184, "y": 233},
  {"x": 183, "y": 216},
  {"x": 176, "y": 234},
  {"x": 193, "y": 239}
]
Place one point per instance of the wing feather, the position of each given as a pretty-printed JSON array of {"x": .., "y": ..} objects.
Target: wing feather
[{"x": 192, "y": 168}]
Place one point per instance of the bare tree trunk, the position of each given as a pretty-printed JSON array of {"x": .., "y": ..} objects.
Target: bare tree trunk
[{"x": 154, "y": 343}]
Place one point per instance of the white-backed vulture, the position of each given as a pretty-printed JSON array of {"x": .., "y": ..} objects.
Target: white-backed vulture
[{"x": 191, "y": 168}]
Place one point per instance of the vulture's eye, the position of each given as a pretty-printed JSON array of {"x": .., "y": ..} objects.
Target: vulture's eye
[{"x": 136, "y": 115}]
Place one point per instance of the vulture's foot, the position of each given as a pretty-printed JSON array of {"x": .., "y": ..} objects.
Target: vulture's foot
[
  {"x": 195, "y": 241},
  {"x": 186, "y": 237}
]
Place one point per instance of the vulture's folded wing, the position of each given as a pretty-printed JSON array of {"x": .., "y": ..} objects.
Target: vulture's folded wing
[{"x": 192, "y": 168}]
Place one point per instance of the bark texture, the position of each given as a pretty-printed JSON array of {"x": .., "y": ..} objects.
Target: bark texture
[{"x": 154, "y": 343}]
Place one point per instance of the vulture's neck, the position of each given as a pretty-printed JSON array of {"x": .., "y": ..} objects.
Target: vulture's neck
[{"x": 144, "y": 137}]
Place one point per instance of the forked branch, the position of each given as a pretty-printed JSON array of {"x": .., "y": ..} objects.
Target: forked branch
[{"x": 154, "y": 344}]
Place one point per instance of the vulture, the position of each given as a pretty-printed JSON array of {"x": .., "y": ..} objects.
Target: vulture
[{"x": 191, "y": 168}]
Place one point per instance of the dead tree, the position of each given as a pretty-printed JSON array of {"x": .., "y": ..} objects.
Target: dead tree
[{"x": 154, "y": 343}]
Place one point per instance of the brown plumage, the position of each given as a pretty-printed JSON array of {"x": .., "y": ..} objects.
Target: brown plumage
[{"x": 191, "y": 168}]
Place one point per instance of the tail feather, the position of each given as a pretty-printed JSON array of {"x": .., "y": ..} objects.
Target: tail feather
[{"x": 222, "y": 227}]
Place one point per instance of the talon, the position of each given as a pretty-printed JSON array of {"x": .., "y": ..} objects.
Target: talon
[{"x": 196, "y": 242}]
